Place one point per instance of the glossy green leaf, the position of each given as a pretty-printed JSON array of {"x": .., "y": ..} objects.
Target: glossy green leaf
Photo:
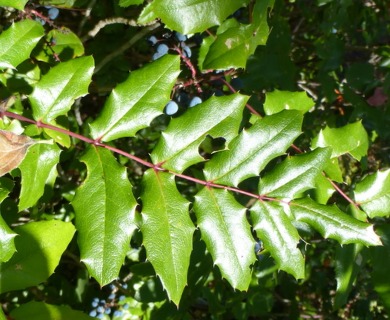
[
  {"x": 191, "y": 16},
  {"x": 373, "y": 194},
  {"x": 348, "y": 263},
  {"x": 41, "y": 159},
  {"x": 249, "y": 153},
  {"x": 277, "y": 101},
  {"x": 275, "y": 229},
  {"x": 17, "y": 42},
  {"x": 323, "y": 189},
  {"x": 39, "y": 248},
  {"x": 380, "y": 264},
  {"x": 351, "y": 139},
  {"x": 6, "y": 185},
  {"x": 105, "y": 215},
  {"x": 295, "y": 174},
  {"x": 167, "y": 231},
  {"x": 17, "y": 4},
  {"x": 232, "y": 46},
  {"x": 127, "y": 3},
  {"x": 58, "y": 3},
  {"x": 60, "y": 87},
  {"x": 35, "y": 310},
  {"x": 134, "y": 103},
  {"x": 62, "y": 43},
  {"x": 332, "y": 223},
  {"x": 217, "y": 117},
  {"x": 7, "y": 245},
  {"x": 226, "y": 232}
]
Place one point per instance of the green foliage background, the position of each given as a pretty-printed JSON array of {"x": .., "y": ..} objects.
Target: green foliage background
[{"x": 294, "y": 125}]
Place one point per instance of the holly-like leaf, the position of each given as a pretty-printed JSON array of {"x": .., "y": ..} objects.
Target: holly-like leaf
[
  {"x": 233, "y": 45},
  {"x": 35, "y": 310},
  {"x": 134, "y": 103},
  {"x": 39, "y": 248},
  {"x": 348, "y": 263},
  {"x": 248, "y": 154},
  {"x": 275, "y": 229},
  {"x": 373, "y": 194},
  {"x": 63, "y": 43},
  {"x": 191, "y": 16},
  {"x": 167, "y": 231},
  {"x": 332, "y": 223},
  {"x": 351, "y": 139},
  {"x": 13, "y": 149},
  {"x": 105, "y": 214},
  {"x": 7, "y": 245},
  {"x": 17, "y": 42},
  {"x": 295, "y": 174},
  {"x": 226, "y": 232},
  {"x": 60, "y": 87},
  {"x": 36, "y": 167},
  {"x": 217, "y": 117},
  {"x": 277, "y": 101},
  {"x": 380, "y": 265},
  {"x": 17, "y": 4},
  {"x": 127, "y": 3}
]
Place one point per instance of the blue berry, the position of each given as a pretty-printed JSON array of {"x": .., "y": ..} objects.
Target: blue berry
[
  {"x": 162, "y": 48},
  {"x": 102, "y": 302},
  {"x": 42, "y": 22},
  {"x": 126, "y": 306},
  {"x": 93, "y": 313},
  {"x": 156, "y": 56},
  {"x": 53, "y": 13},
  {"x": 180, "y": 37},
  {"x": 152, "y": 40},
  {"x": 94, "y": 304},
  {"x": 111, "y": 296},
  {"x": 194, "y": 101},
  {"x": 118, "y": 313},
  {"x": 187, "y": 51},
  {"x": 170, "y": 109},
  {"x": 107, "y": 311},
  {"x": 100, "y": 309},
  {"x": 125, "y": 286},
  {"x": 100, "y": 316}
]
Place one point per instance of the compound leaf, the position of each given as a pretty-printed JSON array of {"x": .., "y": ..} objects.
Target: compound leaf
[
  {"x": 373, "y": 194},
  {"x": 351, "y": 139},
  {"x": 39, "y": 248},
  {"x": 254, "y": 148},
  {"x": 191, "y": 16},
  {"x": 167, "y": 231},
  {"x": 226, "y": 232},
  {"x": 295, "y": 174},
  {"x": 57, "y": 90},
  {"x": 17, "y": 42},
  {"x": 275, "y": 229},
  {"x": 217, "y": 116},
  {"x": 134, "y": 103},
  {"x": 331, "y": 222},
  {"x": 36, "y": 167},
  {"x": 105, "y": 212}
]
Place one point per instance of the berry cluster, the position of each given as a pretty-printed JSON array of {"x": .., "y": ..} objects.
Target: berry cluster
[
  {"x": 112, "y": 306},
  {"x": 52, "y": 14},
  {"x": 162, "y": 48}
]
